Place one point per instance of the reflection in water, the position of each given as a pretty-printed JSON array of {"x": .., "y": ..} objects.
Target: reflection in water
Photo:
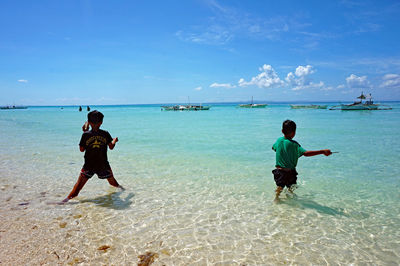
[{"x": 112, "y": 200}]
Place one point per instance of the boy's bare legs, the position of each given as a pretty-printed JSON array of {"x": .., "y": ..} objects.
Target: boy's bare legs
[
  {"x": 77, "y": 188},
  {"x": 292, "y": 188},
  {"x": 111, "y": 180},
  {"x": 278, "y": 192},
  {"x": 81, "y": 183}
]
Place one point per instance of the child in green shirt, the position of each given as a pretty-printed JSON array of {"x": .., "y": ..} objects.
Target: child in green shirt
[{"x": 288, "y": 152}]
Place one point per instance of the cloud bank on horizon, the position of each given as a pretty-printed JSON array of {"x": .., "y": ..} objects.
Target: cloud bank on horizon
[{"x": 301, "y": 80}]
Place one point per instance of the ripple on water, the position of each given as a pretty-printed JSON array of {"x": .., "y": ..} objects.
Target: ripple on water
[{"x": 201, "y": 205}]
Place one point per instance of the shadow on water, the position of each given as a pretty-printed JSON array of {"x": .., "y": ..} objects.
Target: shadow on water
[
  {"x": 112, "y": 201},
  {"x": 305, "y": 203}
]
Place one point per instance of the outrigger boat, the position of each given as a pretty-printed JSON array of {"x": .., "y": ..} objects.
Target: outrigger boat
[
  {"x": 309, "y": 106},
  {"x": 188, "y": 107},
  {"x": 185, "y": 108},
  {"x": 360, "y": 105},
  {"x": 253, "y": 105},
  {"x": 8, "y": 107}
]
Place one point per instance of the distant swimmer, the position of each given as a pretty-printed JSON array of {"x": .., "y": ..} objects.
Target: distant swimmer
[
  {"x": 80, "y": 108},
  {"x": 88, "y": 108},
  {"x": 288, "y": 152},
  {"x": 94, "y": 143}
]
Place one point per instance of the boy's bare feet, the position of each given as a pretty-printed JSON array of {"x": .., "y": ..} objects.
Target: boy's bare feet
[
  {"x": 292, "y": 188},
  {"x": 64, "y": 200}
]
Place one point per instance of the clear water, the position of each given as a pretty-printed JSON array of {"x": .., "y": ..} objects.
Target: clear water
[{"x": 200, "y": 188}]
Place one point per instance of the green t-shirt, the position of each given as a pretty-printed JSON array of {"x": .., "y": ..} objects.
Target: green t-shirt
[{"x": 287, "y": 152}]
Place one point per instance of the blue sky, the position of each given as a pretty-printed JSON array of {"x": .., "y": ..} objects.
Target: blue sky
[{"x": 135, "y": 52}]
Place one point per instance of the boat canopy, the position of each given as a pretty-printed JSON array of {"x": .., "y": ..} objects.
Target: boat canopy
[{"x": 362, "y": 96}]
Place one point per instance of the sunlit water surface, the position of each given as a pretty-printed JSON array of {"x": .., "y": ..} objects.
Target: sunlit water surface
[{"x": 199, "y": 188}]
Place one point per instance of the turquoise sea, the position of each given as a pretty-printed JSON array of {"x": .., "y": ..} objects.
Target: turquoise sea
[{"x": 199, "y": 188}]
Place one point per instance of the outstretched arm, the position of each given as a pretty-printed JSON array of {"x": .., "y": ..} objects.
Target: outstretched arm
[
  {"x": 313, "y": 153},
  {"x": 111, "y": 145}
]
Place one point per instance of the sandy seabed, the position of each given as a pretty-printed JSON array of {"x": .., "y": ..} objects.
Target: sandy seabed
[
  {"x": 181, "y": 223},
  {"x": 34, "y": 230}
]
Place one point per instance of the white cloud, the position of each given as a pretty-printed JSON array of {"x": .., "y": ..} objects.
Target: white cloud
[
  {"x": 391, "y": 81},
  {"x": 198, "y": 88},
  {"x": 368, "y": 27},
  {"x": 228, "y": 23},
  {"x": 300, "y": 80},
  {"x": 390, "y": 76},
  {"x": 214, "y": 35},
  {"x": 341, "y": 86},
  {"x": 356, "y": 82},
  {"x": 302, "y": 71},
  {"x": 268, "y": 78},
  {"x": 222, "y": 85},
  {"x": 326, "y": 88},
  {"x": 23, "y": 81}
]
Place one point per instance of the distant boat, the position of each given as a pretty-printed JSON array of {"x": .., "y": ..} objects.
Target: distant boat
[
  {"x": 188, "y": 107},
  {"x": 360, "y": 105},
  {"x": 309, "y": 106},
  {"x": 253, "y": 105},
  {"x": 185, "y": 108},
  {"x": 198, "y": 107},
  {"x": 11, "y": 107}
]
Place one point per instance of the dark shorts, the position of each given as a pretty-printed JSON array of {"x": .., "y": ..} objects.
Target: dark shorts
[
  {"x": 285, "y": 178},
  {"x": 102, "y": 174}
]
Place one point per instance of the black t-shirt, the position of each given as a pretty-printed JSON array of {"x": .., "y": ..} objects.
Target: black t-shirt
[{"x": 95, "y": 144}]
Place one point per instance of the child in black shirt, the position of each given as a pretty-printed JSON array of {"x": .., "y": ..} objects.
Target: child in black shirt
[{"x": 94, "y": 143}]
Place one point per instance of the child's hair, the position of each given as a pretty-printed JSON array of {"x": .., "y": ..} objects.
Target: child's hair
[
  {"x": 95, "y": 117},
  {"x": 288, "y": 127}
]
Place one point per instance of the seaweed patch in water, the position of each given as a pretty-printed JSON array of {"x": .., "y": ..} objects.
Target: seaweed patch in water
[
  {"x": 147, "y": 259},
  {"x": 75, "y": 261},
  {"x": 63, "y": 225},
  {"x": 104, "y": 248}
]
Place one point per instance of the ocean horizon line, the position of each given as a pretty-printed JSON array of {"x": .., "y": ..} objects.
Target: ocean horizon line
[{"x": 205, "y": 103}]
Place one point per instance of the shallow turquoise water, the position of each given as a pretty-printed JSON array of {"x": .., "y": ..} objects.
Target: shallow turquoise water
[{"x": 200, "y": 183}]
